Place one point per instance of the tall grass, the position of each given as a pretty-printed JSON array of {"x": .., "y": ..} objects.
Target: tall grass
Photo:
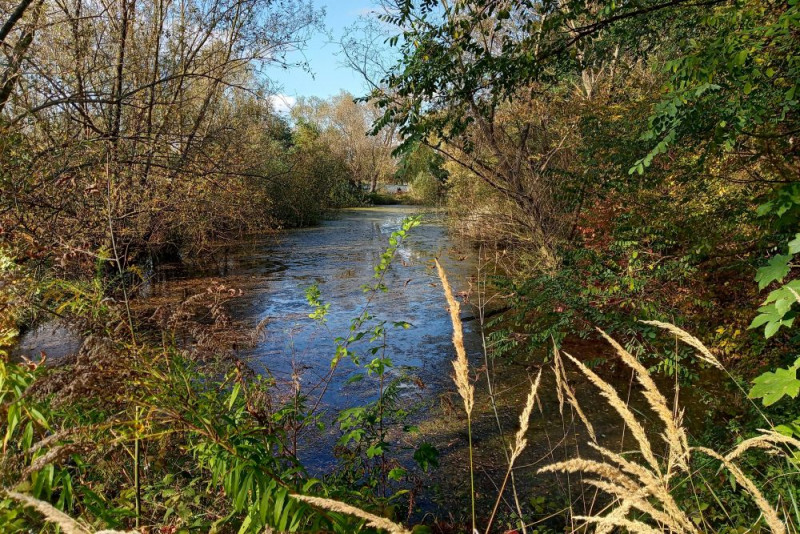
[
  {"x": 641, "y": 483},
  {"x": 646, "y": 485},
  {"x": 55, "y": 516},
  {"x": 338, "y": 506},
  {"x": 461, "y": 377}
]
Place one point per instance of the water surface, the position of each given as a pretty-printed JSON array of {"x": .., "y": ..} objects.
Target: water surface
[
  {"x": 271, "y": 274},
  {"x": 274, "y": 273}
]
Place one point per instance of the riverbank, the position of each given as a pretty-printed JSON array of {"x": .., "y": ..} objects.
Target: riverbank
[
  {"x": 354, "y": 388},
  {"x": 262, "y": 282}
]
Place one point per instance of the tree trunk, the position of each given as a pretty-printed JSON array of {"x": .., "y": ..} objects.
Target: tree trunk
[
  {"x": 11, "y": 74},
  {"x": 13, "y": 19}
]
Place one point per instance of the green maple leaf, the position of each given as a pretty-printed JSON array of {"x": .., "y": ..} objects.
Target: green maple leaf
[
  {"x": 771, "y": 387},
  {"x": 794, "y": 245},
  {"x": 772, "y": 319},
  {"x": 785, "y": 296},
  {"x": 777, "y": 309},
  {"x": 375, "y": 450},
  {"x": 776, "y": 269},
  {"x": 790, "y": 429}
]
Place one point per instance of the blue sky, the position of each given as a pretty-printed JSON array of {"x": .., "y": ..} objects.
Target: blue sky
[{"x": 328, "y": 76}]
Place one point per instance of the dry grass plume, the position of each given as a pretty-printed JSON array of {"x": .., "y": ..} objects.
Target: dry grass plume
[
  {"x": 674, "y": 434},
  {"x": 338, "y": 506},
  {"x": 54, "y": 515},
  {"x": 644, "y": 487},
  {"x": 520, "y": 442},
  {"x": 614, "y": 400},
  {"x": 563, "y": 388},
  {"x": 460, "y": 365},
  {"x": 689, "y": 339}
]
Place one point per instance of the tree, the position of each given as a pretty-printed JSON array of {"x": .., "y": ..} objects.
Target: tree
[
  {"x": 421, "y": 159},
  {"x": 344, "y": 124},
  {"x": 119, "y": 115},
  {"x": 500, "y": 88}
]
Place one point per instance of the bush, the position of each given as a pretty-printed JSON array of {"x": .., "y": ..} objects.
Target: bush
[
  {"x": 380, "y": 199},
  {"x": 426, "y": 189}
]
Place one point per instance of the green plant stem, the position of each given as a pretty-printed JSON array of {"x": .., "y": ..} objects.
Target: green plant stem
[
  {"x": 137, "y": 483},
  {"x": 380, "y": 429},
  {"x": 471, "y": 472},
  {"x": 499, "y": 498},
  {"x": 116, "y": 257},
  {"x": 372, "y": 293}
]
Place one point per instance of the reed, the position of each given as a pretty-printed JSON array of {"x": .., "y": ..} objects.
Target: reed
[
  {"x": 564, "y": 391},
  {"x": 55, "y": 516},
  {"x": 643, "y": 488},
  {"x": 614, "y": 400},
  {"x": 460, "y": 365},
  {"x": 674, "y": 435},
  {"x": 461, "y": 376},
  {"x": 520, "y": 442},
  {"x": 690, "y": 340},
  {"x": 338, "y": 506},
  {"x": 770, "y": 516}
]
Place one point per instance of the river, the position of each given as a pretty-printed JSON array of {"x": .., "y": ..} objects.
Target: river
[
  {"x": 271, "y": 274},
  {"x": 338, "y": 257}
]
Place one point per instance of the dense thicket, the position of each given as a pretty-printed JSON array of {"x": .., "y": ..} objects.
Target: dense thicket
[
  {"x": 631, "y": 160},
  {"x": 153, "y": 120},
  {"x": 638, "y": 157}
]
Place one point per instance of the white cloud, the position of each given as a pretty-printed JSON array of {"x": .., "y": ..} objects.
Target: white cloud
[{"x": 282, "y": 103}]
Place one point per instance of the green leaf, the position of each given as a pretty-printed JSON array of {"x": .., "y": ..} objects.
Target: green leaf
[
  {"x": 777, "y": 309},
  {"x": 789, "y": 429},
  {"x": 13, "y": 419},
  {"x": 765, "y": 209},
  {"x": 427, "y": 456},
  {"x": 245, "y": 524},
  {"x": 234, "y": 394},
  {"x": 355, "y": 378},
  {"x": 278, "y": 511},
  {"x": 772, "y": 386},
  {"x": 397, "y": 473},
  {"x": 39, "y": 418},
  {"x": 375, "y": 450},
  {"x": 772, "y": 328},
  {"x": 776, "y": 270},
  {"x": 794, "y": 245}
]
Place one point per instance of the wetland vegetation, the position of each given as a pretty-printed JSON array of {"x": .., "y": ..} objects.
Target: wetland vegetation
[{"x": 540, "y": 276}]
